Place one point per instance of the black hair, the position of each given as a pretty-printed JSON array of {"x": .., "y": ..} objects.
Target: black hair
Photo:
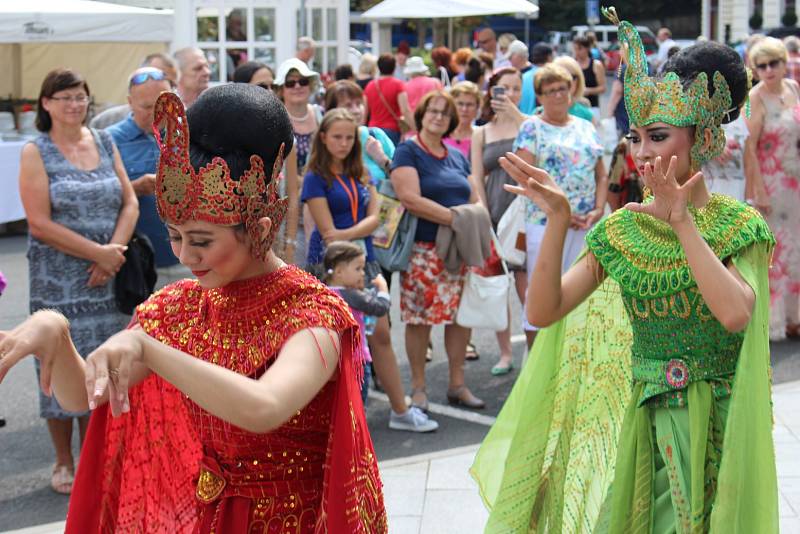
[
  {"x": 235, "y": 121},
  {"x": 541, "y": 53},
  {"x": 245, "y": 72},
  {"x": 386, "y": 64},
  {"x": 343, "y": 72},
  {"x": 475, "y": 70},
  {"x": 709, "y": 57}
]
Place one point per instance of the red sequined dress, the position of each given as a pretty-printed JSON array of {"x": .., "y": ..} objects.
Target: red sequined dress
[{"x": 170, "y": 466}]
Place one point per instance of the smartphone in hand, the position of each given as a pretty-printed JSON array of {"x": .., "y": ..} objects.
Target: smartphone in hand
[{"x": 498, "y": 92}]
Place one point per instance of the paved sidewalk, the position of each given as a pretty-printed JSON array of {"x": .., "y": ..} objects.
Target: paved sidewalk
[{"x": 434, "y": 494}]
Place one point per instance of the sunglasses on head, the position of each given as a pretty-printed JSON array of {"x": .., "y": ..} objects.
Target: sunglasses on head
[
  {"x": 155, "y": 75},
  {"x": 302, "y": 82},
  {"x": 772, "y": 64}
]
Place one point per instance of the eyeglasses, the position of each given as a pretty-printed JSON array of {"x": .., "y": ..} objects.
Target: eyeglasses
[
  {"x": 772, "y": 64},
  {"x": 76, "y": 99},
  {"x": 484, "y": 41},
  {"x": 303, "y": 82},
  {"x": 440, "y": 112},
  {"x": 466, "y": 105},
  {"x": 266, "y": 86},
  {"x": 141, "y": 77},
  {"x": 562, "y": 91}
]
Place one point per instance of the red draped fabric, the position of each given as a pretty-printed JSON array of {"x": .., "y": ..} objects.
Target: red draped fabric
[{"x": 169, "y": 466}]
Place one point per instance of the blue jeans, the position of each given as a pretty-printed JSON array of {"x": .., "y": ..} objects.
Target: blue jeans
[{"x": 365, "y": 384}]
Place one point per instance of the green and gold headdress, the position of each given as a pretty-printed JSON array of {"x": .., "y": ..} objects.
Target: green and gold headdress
[{"x": 650, "y": 100}]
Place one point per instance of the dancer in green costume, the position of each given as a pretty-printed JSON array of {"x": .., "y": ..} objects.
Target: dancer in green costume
[{"x": 645, "y": 405}]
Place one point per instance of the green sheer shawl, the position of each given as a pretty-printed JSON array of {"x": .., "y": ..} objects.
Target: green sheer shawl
[{"x": 547, "y": 464}]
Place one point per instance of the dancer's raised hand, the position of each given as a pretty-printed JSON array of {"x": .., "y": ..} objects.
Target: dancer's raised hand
[
  {"x": 43, "y": 335},
  {"x": 109, "y": 368},
  {"x": 670, "y": 199},
  {"x": 537, "y": 185}
]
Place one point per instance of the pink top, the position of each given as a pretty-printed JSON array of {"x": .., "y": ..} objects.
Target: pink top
[
  {"x": 418, "y": 87},
  {"x": 462, "y": 145}
]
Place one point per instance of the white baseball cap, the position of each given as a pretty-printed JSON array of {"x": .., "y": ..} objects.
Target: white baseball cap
[{"x": 516, "y": 47}]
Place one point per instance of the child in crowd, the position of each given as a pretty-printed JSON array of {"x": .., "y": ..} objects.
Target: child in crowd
[{"x": 344, "y": 272}]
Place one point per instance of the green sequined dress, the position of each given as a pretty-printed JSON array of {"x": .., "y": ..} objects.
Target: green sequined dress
[{"x": 622, "y": 398}]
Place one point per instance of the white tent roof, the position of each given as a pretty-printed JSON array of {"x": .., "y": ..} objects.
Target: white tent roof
[
  {"x": 425, "y": 9},
  {"x": 81, "y": 21}
]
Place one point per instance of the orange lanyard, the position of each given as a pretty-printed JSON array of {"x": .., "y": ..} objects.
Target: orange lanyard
[{"x": 351, "y": 195}]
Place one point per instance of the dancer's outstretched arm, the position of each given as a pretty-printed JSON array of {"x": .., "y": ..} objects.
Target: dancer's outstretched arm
[
  {"x": 304, "y": 365},
  {"x": 45, "y": 334},
  {"x": 550, "y": 296},
  {"x": 726, "y": 293}
]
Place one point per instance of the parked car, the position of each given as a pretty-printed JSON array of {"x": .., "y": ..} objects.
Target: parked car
[{"x": 607, "y": 34}]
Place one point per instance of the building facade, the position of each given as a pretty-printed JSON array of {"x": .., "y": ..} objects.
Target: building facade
[{"x": 729, "y": 20}]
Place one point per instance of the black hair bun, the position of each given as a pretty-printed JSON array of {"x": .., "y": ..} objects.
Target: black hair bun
[
  {"x": 235, "y": 121},
  {"x": 709, "y": 57}
]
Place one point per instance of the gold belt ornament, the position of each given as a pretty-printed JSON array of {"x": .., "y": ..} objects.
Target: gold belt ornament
[{"x": 210, "y": 485}]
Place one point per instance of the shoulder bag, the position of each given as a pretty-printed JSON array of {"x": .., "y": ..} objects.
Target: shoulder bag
[
  {"x": 401, "y": 121},
  {"x": 394, "y": 252},
  {"x": 484, "y": 299},
  {"x": 137, "y": 276}
]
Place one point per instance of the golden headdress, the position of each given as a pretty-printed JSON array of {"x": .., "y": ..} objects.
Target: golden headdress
[
  {"x": 210, "y": 194},
  {"x": 650, "y": 100}
]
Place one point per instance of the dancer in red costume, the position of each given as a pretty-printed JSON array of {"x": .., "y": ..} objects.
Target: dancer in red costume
[{"x": 243, "y": 413}]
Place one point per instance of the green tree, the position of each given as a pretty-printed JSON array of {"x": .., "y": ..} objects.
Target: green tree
[
  {"x": 789, "y": 17},
  {"x": 756, "y": 20}
]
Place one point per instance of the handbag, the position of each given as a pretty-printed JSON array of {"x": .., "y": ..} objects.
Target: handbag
[
  {"x": 484, "y": 299},
  {"x": 136, "y": 278},
  {"x": 395, "y": 255},
  {"x": 510, "y": 225},
  {"x": 401, "y": 121}
]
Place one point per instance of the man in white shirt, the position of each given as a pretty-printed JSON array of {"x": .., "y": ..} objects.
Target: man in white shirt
[
  {"x": 665, "y": 42},
  {"x": 194, "y": 74}
]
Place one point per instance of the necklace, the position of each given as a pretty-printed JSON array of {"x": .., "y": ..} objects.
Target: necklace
[
  {"x": 429, "y": 151},
  {"x": 300, "y": 119}
]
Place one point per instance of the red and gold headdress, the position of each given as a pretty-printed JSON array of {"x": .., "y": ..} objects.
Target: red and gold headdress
[{"x": 210, "y": 194}]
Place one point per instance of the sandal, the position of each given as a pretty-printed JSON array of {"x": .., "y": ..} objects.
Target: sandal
[
  {"x": 62, "y": 479},
  {"x": 793, "y": 331},
  {"x": 415, "y": 392},
  {"x": 472, "y": 353}
]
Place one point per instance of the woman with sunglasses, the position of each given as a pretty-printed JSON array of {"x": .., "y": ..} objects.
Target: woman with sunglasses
[
  {"x": 258, "y": 73},
  {"x": 81, "y": 211},
  {"x": 772, "y": 164},
  {"x": 294, "y": 85}
]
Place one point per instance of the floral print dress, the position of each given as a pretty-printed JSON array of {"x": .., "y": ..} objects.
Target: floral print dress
[
  {"x": 779, "y": 160},
  {"x": 569, "y": 154}
]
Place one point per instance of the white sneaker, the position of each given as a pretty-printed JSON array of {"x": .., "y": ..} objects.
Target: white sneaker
[{"x": 414, "y": 420}]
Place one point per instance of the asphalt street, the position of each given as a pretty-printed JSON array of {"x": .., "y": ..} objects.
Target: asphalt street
[{"x": 26, "y": 455}]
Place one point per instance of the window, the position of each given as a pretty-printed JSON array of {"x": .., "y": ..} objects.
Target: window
[
  {"x": 322, "y": 25},
  {"x": 233, "y": 34}
]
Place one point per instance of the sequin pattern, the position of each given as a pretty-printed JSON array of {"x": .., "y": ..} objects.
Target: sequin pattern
[{"x": 277, "y": 477}]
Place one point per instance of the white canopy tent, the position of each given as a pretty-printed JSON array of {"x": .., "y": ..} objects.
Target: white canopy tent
[
  {"x": 102, "y": 41},
  {"x": 81, "y": 21},
  {"x": 425, "y": 9}
]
